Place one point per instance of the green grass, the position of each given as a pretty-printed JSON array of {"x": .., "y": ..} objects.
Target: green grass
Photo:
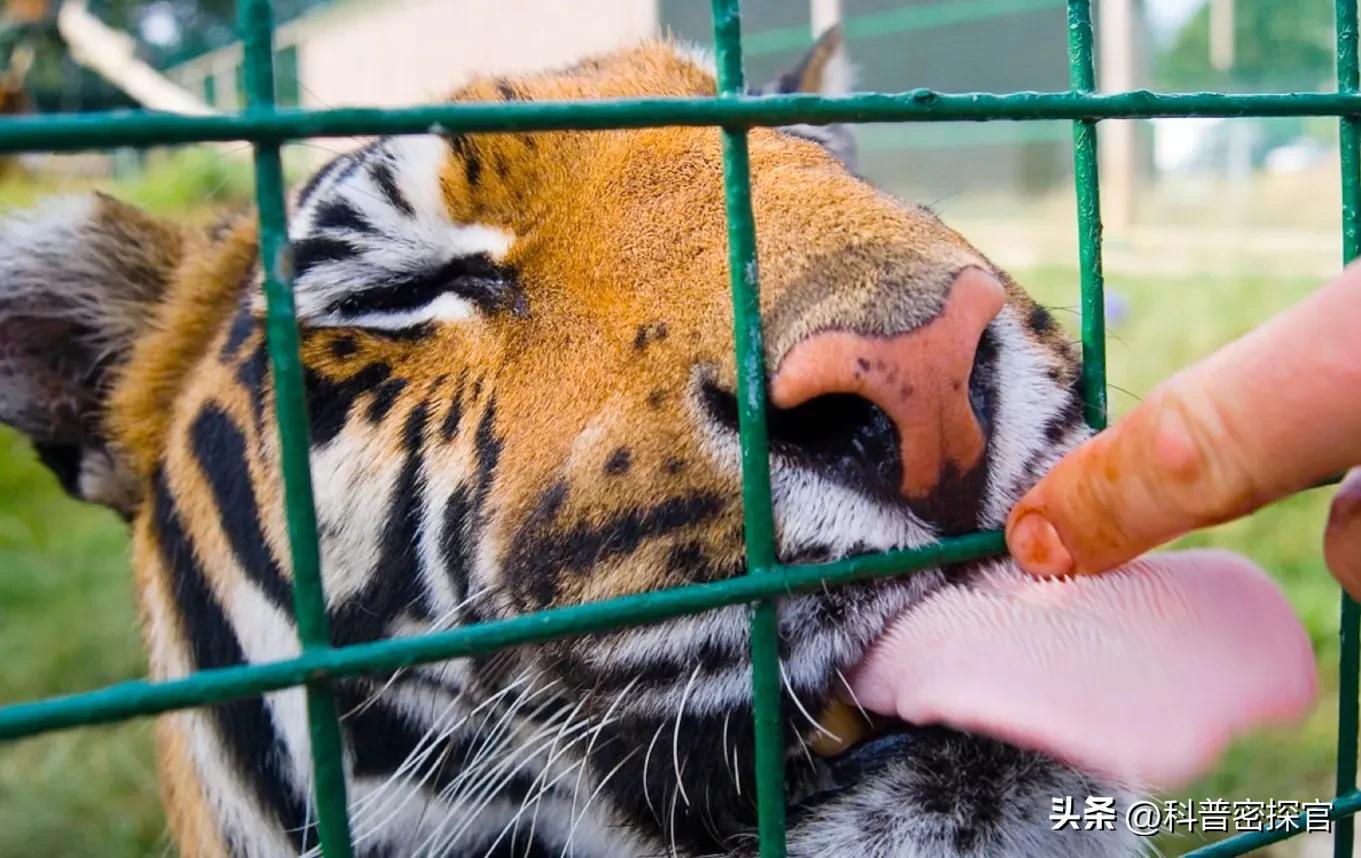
[{"x": 68, "y": 622}]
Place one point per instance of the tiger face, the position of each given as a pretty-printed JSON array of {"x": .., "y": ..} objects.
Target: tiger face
[{"x": 521, "y": 384}]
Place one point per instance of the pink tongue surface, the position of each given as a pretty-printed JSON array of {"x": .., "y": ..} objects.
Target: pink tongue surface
[{"x": 1141, "y": 675}]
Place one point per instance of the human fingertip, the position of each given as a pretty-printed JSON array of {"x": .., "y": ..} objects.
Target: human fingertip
[
  {"x": 1037, "y": 547},
  {"x": 1342, "y": 536},
  {"x": 1349, "y": 490}
]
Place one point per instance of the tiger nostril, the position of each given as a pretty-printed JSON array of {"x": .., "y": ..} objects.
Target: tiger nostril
[
  {"x": 845, "y": 436},
  {"x": 925, "y": 380}
]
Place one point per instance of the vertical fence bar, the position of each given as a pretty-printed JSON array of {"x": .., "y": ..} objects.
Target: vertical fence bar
[
  {"x": 1349, "y": 659},
  {"x": 1082, "y": 75},
  {"x": 309, "y": 604},
  {"x": 758, "y": 520}
]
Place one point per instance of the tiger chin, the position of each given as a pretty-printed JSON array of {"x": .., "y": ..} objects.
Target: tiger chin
[{"x": 520, "y": 380}]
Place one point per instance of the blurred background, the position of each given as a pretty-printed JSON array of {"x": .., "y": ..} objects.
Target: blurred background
[{"x": 1211, "y": 226}]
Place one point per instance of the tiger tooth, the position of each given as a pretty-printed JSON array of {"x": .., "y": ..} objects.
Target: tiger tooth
[{"x": 840, "y": 727}]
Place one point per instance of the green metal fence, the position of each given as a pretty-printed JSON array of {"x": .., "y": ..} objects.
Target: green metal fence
[{"x": 268, "y": 127}]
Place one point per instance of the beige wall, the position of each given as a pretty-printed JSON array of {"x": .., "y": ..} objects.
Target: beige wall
[
  {"x": 413, "y": 51},
  {"x": 388, "y": 53}
]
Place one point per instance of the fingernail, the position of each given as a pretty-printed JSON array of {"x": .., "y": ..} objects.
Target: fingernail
[
  {"x": 1035, "y": 544},
  {"x": 1347, "y": 500},
  {"x": 1350, "y": 487}
]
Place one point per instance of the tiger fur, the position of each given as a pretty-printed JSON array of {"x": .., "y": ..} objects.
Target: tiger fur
[{"x": 519, "y": 367}]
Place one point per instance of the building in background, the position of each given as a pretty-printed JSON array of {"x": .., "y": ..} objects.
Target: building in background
[
  {"x": 980, "y": 45},
  {"x": 389, "y": 53},
  {"x": 399, "y": 52}
]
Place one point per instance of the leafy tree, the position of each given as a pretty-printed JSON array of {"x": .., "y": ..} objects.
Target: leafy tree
[
  {"x": 57, "y": 83},
  {"x": 1278, "y": 45}
]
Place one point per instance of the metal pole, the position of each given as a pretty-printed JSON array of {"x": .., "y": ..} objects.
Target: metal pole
[
  {"x": 822, "y": 15},
  {"x": 1221, "y": 34}
]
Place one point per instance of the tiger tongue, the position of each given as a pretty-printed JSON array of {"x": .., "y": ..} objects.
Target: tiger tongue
[{"x": 1140, "y": 676}]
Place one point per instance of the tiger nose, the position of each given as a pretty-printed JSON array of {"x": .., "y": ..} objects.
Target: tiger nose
[{"x": 919, "y": 378}]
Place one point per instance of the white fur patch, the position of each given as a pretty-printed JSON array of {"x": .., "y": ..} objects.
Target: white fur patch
[{"x": 376, "y": 218}]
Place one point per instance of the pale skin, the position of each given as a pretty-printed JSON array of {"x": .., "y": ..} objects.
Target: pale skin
[{"x": 1268, "y": 415}]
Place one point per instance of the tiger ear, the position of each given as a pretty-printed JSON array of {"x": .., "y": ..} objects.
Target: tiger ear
[
  {"x": 824, "y": 70},
  {"x": 81, "y": 279}
]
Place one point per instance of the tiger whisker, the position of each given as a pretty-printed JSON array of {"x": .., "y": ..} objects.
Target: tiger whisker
[
  {"x": 470, "y": 782},
  {"x": 426, "y": 751},
  {"x": 437, "y": 624},
  {"x": 798, "y": 704},
  {"x": 576, "y": 819},
  {"x": 647, "y": 796},
  {"x": 426, "y": 746},
  {"x": 579, "y": 766},
  {"x": 851, "y": 691},
  {"x": 675, "y": 733},
  {"x": 671, "y": 826},
  {"x": 553, "y": 755},
  {"x": 440, "y": 732},
  {"x": 604, "y": 721},
  {"x": 491, "y": 786}
]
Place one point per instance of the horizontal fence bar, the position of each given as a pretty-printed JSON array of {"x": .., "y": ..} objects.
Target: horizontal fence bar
[
  {"x": 1342, "y": 807},
  {"x": 130, "y": 699},
  {"x": 138, "y": 128}
]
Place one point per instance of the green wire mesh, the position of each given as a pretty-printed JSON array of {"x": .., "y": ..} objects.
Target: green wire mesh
[{"x": 319, "y": 663}]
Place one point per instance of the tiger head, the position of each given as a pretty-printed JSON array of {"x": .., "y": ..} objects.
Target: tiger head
[{"x": 521, "y": 386}]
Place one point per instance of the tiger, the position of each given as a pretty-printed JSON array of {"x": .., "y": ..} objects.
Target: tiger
[{"x": 521, "y": 391}]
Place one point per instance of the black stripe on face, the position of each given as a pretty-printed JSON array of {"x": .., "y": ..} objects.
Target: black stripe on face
[
  {"x": 253, "y": 374},
  {"x": 454, "y": 416},
  {"x": 243, "y": 325},
  {"x": 382, "y": 739},
  {"x": 540, "y": 553},
  {"x": 487, "y": 447},
  {"x": 318, "y": 250},
  {"x": 382, "y": 175},
  {"x": 246, "y": 731},
  {"x": 476, "y": 279},
  {"x": 220, "y": 447},
  {"x": 472, "y": 165},
  {"x": 320, "y": 176},
  {"x": 646, "y": 794},
  {"x": 329, "y": 402},
  {"x": 395, "y": 586},
  {"x": 339, "y": 214},
  {"x": 458, "y": 549},
  {"x": 384, "y": 397}
]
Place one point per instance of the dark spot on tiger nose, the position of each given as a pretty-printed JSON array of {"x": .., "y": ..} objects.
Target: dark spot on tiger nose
[
  {"x": 656, "y": 399},
  {"x": 674, "y": 466},
  {"x": 648, "y": 334},
  {"x": 618, "y": 462}
]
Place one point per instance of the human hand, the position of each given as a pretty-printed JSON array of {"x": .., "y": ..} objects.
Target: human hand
[{"x": 1268, "y": 415}]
